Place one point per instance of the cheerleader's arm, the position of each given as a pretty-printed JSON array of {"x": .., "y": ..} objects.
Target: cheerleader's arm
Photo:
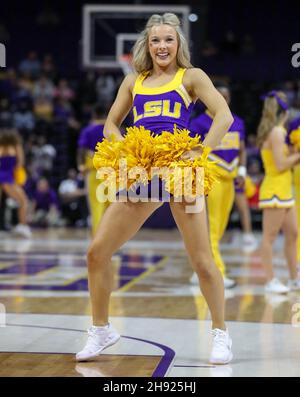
[
  {"x": 200, "y": 86},
  {"x": 20, "y": 156},
  {"x": 277, "y": 141},
  {"x": 120, "y": 108}
]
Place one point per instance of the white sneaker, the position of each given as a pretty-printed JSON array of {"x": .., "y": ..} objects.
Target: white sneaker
[
  {"x": 221, "y": 352},
  {"x": 99, "y": 338},
  {"x": 294, "y": 285},
  {"x": 276, "y": 286},
  {"x": 22, "y": 230},
  {"x": 249, "y": 243},
  {"x": 229, "y": 283}
]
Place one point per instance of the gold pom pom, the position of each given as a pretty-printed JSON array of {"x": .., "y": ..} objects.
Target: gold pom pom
[
  {"x": 190, "y": 177},
  {"x": 295, "y": 138},
  {"x": 20, "y": 176},
  {"x": 146, "y": 154}
]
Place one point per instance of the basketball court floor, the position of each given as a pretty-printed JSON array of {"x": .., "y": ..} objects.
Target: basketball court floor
[{"x": 163, "y": 319}]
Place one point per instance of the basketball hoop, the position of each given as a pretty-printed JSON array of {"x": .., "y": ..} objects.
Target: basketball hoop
[{"x": 125, "y": 61}]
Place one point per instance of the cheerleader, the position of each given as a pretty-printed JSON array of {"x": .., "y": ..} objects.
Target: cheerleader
[
  {"x": 87, "y": 141},
  {"x": 12, "y": 176},
  {"x": 275, "y": 195},
  {"x": 161, "y": 94},
  {"x": 231, "y": 160},
  {"x": 294, "y": 127}
]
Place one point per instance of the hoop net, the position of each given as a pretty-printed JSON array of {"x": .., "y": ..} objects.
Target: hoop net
[{"x": 125, "y": 61}]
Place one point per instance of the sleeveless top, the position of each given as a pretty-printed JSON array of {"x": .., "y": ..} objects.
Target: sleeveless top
[
  {"x": 160, "y": 108},
  {"x": 7, "y": 166},
  {"x": 276, "y": 188},
  {"x": 7, "y": 163},
  {"x": 227, "y": 153},
  {"x": 269, "y": 162}
]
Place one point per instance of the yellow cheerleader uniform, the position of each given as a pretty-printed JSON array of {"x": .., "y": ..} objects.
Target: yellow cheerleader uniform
[
  {"x": 276, "y": 188},
  {"x": 88, "y": 139},
  {"x": 221, "y": 197},
  {"x": 250, "y": 187},
  {"x": 296, "y": 181},
  {"x": 294, "y": 138}
]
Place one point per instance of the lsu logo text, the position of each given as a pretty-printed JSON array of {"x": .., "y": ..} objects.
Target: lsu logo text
[
  {"x": 2, "y": 56},
  {"x": 231, "y": 140},
  {"x": 158, "y": 108}
]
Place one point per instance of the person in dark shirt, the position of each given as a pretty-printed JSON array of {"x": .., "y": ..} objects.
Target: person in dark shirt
[{"x": 45, "y": 204}]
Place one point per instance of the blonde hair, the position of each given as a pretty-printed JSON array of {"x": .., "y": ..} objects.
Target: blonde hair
[
  {"x": 271, "y": 115},
  {"x": 142, "y": 61},
  {"x": 9, "y": 137}
]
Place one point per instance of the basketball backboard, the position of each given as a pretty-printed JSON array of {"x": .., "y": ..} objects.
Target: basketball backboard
[{"x": 109, "y": 31}]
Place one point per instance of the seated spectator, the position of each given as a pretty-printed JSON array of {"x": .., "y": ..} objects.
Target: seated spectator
[
  {"x": 43, "y": 155},
  {"x": 24, "y": 88},
  {"x": 23, "y": 117},
  {"x": 25, "y": 83},
  {"x": 30, "y": 65},
  {"x": 43, "y": 88},
  {"x": 43, "y": 109},
  {"x": 72, "y": 197},
  {"x": 9, "y": 84},
  {"x": 32, "y": 179},
  {"x": 295, "y": 109},
  {"x": 289, "y": 89},
  {"x": 252, "y": 150},
  {"x": 105, "y": 86},
  {"x": 64, "y": 91},
  {"x": 63, "y": 112},
  {"x": 6, "y": 119},
  {"x": 45, "y": 205},
  {"x": 49, "y": 68},
  {"x": 87, "y": 94}
]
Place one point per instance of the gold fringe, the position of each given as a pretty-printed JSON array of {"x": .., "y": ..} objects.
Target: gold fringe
[
  {"x": 295, "y": 138},
  {"x": 20, "y": 176},
  {"x": 141, "y": 148}
]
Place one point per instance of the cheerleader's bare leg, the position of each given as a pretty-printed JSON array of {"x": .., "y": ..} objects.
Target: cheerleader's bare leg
[{"x": 119, "y": 224}]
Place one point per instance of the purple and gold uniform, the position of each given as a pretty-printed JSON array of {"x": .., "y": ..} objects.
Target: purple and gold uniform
[
  {"x": 7, "y": 168},
  {"x": 227, "y": 152},
  {"x": 88, "y": 139},
  {"x": 90, "y": 136},
  {"x": 294, "y": 125},
  {"x": 159, "y": 108},
  {"x": 227, "y": 156}
]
